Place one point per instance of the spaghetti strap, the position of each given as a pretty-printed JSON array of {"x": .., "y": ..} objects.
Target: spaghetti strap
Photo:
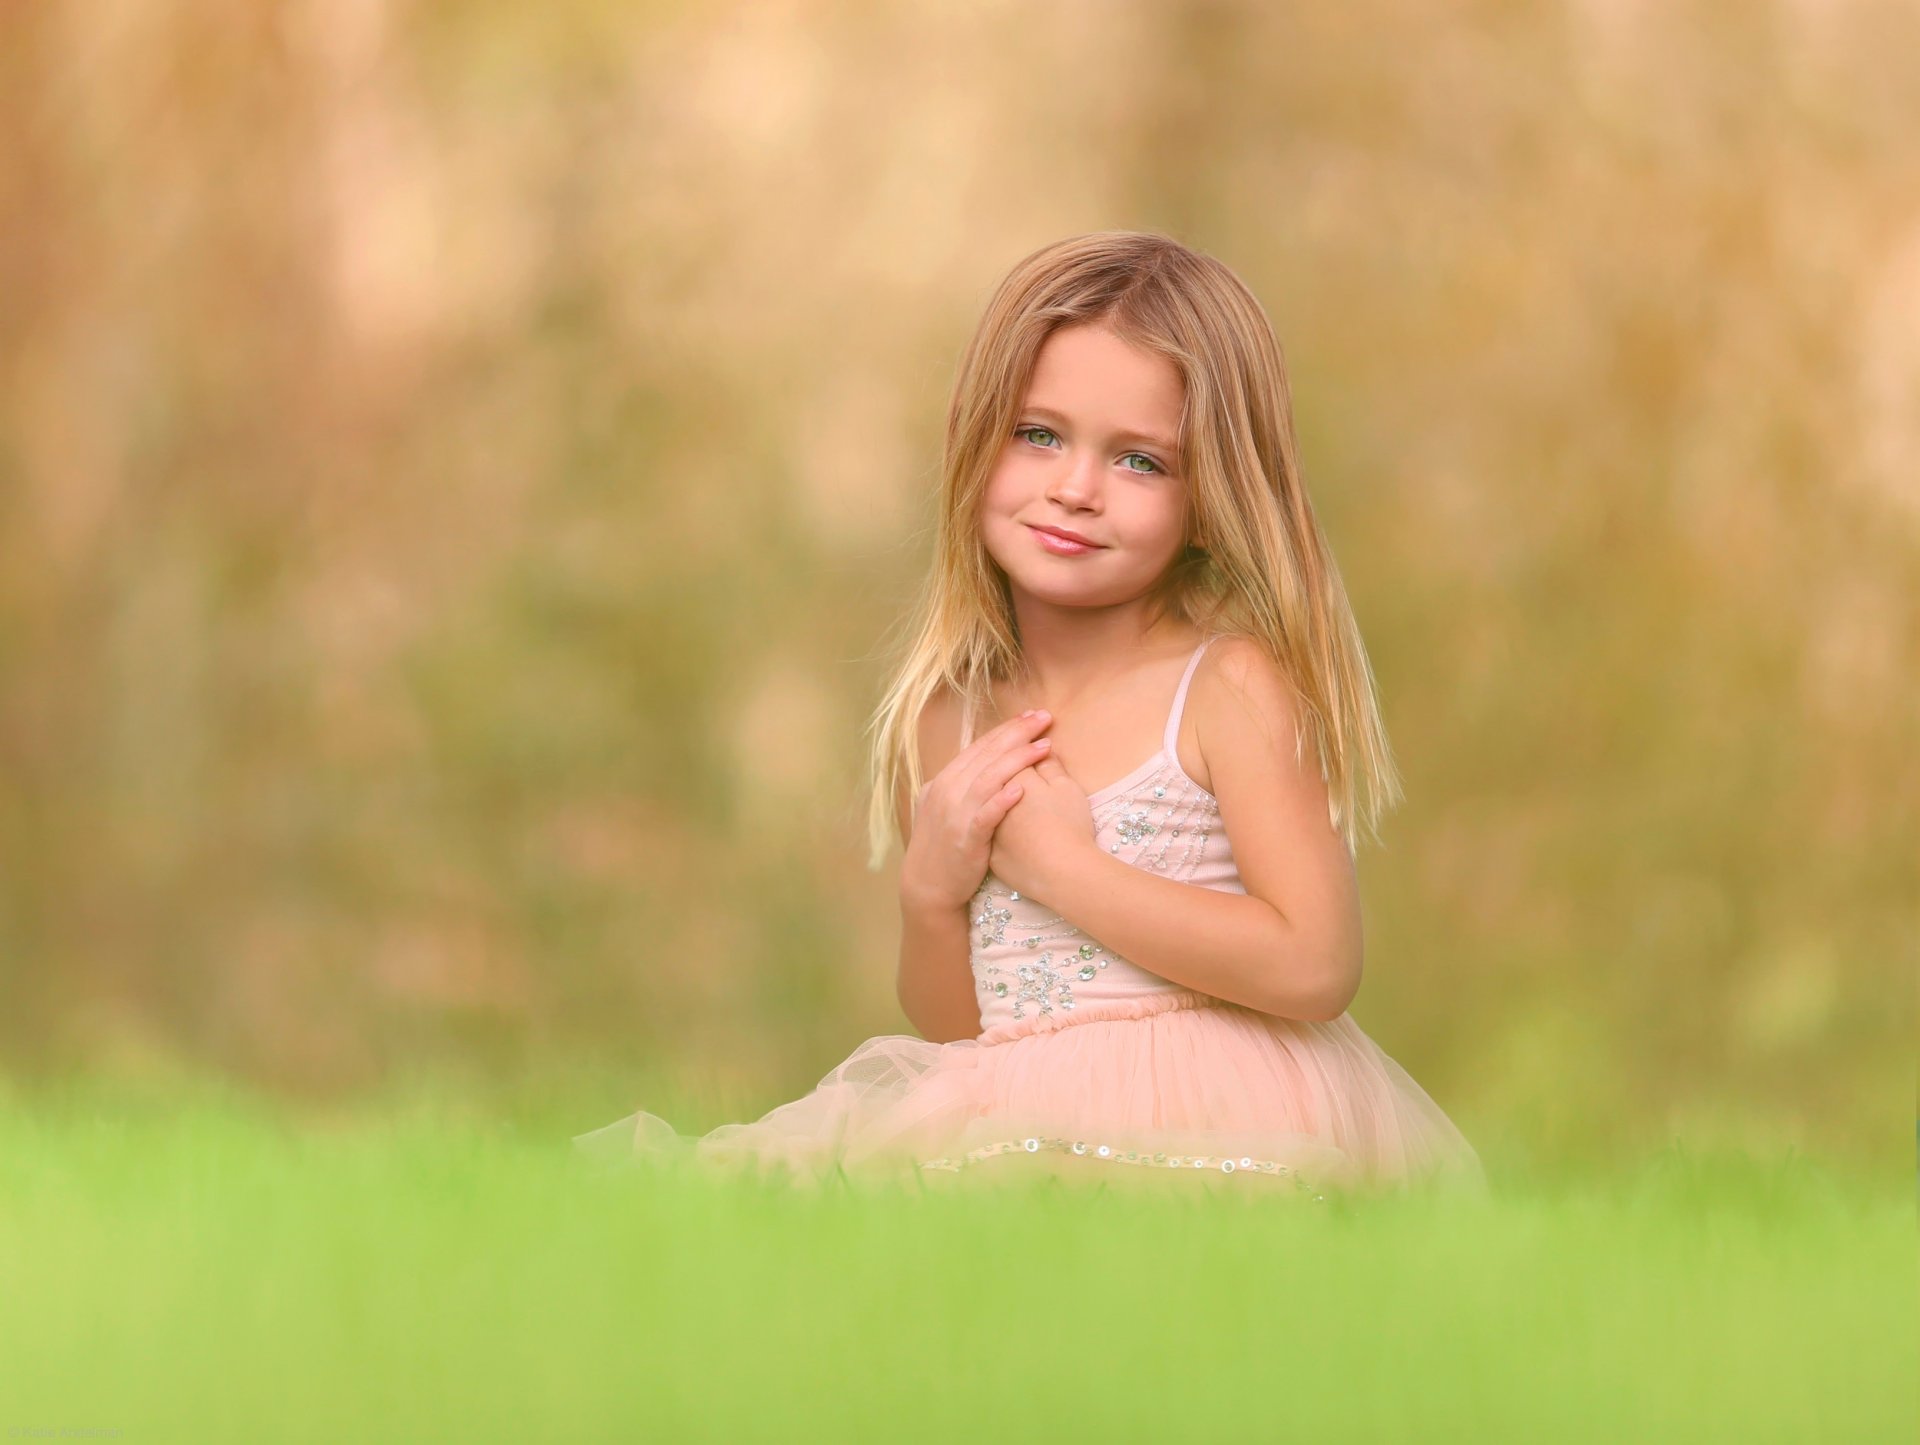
[{"x": 1180, "y": 697}]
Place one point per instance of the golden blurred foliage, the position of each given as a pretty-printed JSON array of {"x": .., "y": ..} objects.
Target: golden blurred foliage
[{"x": 457, "y": 462}]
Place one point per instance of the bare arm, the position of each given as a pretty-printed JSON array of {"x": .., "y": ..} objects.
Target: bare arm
[
  {"x": 1234, "y": 946},
  {"x": 935, "y": 985},
  {"x": 935, "y": 981},
  {"x": 1292, "y": 944}
]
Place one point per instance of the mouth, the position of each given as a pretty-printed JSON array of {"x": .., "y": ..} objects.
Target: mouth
[{"x": 1062, "y": 544}]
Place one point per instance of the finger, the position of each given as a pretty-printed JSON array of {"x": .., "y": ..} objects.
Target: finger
[
  {"x": 1029, "y": 724},
  {"x": 960, "y": 773},
  {"x": 1013, "y": 741},
  {"x": 987, "y": 816},
  {"x": 1012, "y": 793},
  {"x": 1016, "y": 760},
  {"x": 1004, "y": 751}
]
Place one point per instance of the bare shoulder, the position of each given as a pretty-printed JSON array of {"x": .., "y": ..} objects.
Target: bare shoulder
[
  {"x": 1236, "y": 688},
  {"x": 1274, "y": 806},
  {"x": 936, "y": 735},
  {"x": 938, "y": 730}
]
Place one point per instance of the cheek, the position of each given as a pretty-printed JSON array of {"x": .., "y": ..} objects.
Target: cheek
[
  {"x": 1155, "y": 522},
  {"x": 1002, "y": 501},
  {"x": 1006, "y": 489}
]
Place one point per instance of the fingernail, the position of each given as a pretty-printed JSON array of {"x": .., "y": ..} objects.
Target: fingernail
[
  {"x": 1027, "y": 713},
  {"x": 1041, "y": 712}
]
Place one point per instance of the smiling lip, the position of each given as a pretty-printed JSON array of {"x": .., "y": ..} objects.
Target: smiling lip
[{"x": 1062, "y": 543}]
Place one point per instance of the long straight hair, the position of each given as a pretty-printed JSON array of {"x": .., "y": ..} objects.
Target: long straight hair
[{"x": 1264, "y": 571}]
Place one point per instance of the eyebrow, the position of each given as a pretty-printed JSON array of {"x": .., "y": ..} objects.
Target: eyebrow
[{"x": 1125, "y": 436}]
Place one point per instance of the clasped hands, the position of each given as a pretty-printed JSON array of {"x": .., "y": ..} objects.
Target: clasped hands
[
  {"x": 1049, "y": 820},
  {"x": 1002, "y": 805}
]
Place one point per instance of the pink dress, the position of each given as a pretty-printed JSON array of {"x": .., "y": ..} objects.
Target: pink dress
[{"x": 1087, "y": 1066}]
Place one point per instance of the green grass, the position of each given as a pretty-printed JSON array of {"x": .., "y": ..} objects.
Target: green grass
[{"x": 212, "y": 1269}]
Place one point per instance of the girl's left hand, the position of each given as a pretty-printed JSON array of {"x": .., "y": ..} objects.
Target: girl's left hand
[{"x": 1051, "y": 819}]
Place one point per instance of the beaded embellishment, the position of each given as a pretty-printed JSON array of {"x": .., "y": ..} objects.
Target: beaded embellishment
[
  {"x": 1159, "y": 1159},
  {"x": 1191, "y": 814},
  {"x": 1047, "y": 982}
]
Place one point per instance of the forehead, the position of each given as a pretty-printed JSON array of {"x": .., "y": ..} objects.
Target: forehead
[{"x": 1089, "y": 377}]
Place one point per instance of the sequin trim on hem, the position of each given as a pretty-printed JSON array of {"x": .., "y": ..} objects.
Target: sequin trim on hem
[{"x": 1034, "y": 1144}]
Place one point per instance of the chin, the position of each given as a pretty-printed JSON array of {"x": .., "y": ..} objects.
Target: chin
[{"x": 1078, "y": 592}]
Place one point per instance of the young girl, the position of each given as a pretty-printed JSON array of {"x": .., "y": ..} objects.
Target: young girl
[{"x": 1127, "y": 752}]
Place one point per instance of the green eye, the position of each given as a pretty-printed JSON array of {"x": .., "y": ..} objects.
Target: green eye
[{"x": 1027, "y": 433}]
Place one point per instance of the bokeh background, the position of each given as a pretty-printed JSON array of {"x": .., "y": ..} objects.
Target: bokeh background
[{"x": 461, "y": 467}]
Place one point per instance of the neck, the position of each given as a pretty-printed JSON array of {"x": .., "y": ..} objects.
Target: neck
[{"x": 1066, "y": 650}]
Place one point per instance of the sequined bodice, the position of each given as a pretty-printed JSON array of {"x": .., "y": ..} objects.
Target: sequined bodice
[{"x": 1027, "y": 959}]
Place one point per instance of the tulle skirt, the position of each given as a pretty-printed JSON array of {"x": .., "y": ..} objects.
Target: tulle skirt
[{"x": 1175, "y": 1089}]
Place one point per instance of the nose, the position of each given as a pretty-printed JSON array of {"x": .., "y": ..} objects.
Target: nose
[{"x": 1076, "y": 481}]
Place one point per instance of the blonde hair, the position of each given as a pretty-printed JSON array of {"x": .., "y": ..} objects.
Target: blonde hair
[{"x": 1266, "y": 572}]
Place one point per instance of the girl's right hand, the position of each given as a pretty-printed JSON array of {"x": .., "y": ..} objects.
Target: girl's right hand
[{"x": 959, "y": 809}]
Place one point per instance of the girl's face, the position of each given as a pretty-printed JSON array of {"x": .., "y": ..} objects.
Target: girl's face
[{"x": 1092, "y": 453}]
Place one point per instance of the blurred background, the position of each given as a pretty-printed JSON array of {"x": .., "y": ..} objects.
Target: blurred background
[{"x": 460, "y": 466}]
